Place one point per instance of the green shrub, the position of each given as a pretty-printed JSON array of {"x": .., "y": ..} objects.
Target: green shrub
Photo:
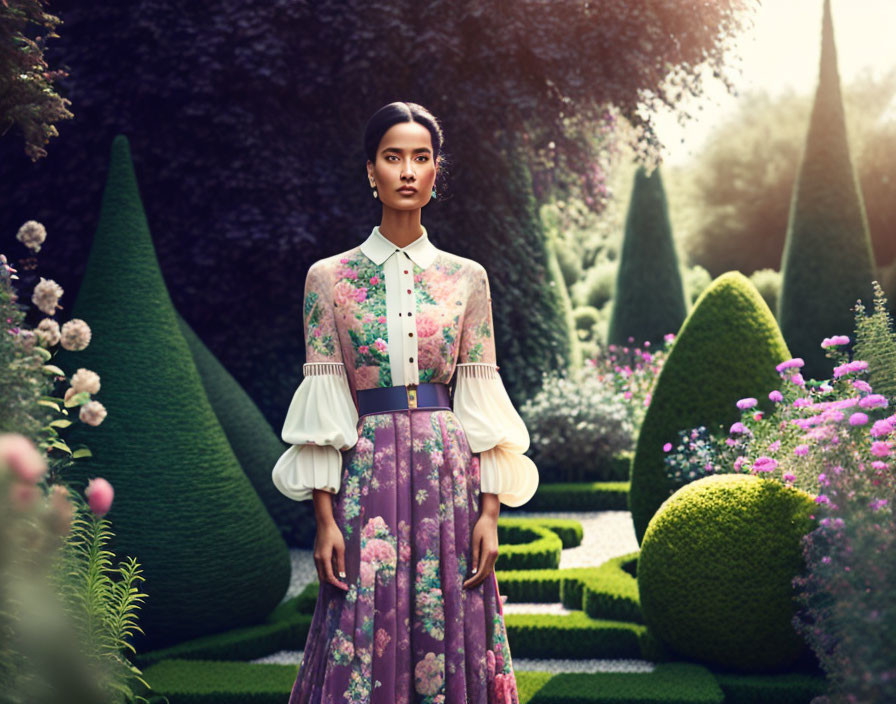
[
  {"x": 599, "y": 284},
  {"x": 768, "y": 283},
  {"x": 648, "y": 302},
  {"x": 586, "y": 317},
  {"x": 696, "y": 281},
  {"x": 727, "y": 349},
  {"x": 715, "y": 571},
  {"x": 827, "y": 262},
  {"x": 577, "y": 423},
  {"x": 876, "y": 343},
  {"x": 162, "y": 447}
]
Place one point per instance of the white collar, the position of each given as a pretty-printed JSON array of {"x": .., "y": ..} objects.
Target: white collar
[{"x": 378, "y": 248}]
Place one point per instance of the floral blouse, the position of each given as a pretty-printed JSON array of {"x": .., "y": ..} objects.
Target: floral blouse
[{"x": 381, "y": 315}]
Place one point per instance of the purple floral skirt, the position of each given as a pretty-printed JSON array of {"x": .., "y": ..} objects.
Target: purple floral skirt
[{"x": 406, "y": 631}]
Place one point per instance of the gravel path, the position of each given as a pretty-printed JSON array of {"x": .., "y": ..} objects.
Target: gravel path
[{"x": 606, "y": 534}]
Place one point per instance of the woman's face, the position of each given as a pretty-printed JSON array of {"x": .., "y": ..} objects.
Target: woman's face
[{"x": 404, "y": 158}]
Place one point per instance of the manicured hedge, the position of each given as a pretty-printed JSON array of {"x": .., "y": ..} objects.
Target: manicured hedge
[{"x": 727, "y": 349}]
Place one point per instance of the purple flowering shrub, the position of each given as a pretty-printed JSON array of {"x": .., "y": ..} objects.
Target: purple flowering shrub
[
  {"x": 632, "y": 372},
  {"x": 837, "y": 440}
]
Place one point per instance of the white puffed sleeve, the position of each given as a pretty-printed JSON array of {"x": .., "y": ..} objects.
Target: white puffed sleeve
[
  {"x": 491, "y": 423},
  {"x": 322, "y": 420}
]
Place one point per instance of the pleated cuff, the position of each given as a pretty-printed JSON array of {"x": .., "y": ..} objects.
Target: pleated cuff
[
  {"x": 303, "y": 468},
  {"x": 495, "y": 430},
  {"x": 512, "y": 476}
]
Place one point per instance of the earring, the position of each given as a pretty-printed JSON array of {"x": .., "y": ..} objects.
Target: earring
[
  {"x": 433, "y": 193},
  {"x": 375, "y": 194}
]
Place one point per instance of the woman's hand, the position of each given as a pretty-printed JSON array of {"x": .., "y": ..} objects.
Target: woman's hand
[
  {"x": 329, "y": 549},
  {"x": 485, "y": 549}
]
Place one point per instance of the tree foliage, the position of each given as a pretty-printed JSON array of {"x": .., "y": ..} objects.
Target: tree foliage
[
  {"x": 28, "y": 98},
  {"x": 246, "y": 125},
  {"x": 739, "y": 187},
  {"x": 827, "y": 263}
]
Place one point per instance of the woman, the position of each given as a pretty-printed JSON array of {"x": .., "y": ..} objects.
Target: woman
[{"x": 406, "y": 490}]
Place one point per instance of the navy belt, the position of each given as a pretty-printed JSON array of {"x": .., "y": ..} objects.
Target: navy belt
[{"x": 383, "y": 399}]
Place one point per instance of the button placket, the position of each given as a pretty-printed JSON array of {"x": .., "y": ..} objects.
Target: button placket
[{"x": 409, "y": 322}]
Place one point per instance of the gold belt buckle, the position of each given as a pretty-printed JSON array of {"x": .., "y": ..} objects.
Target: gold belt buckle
[{"x": 412, "y": 395}]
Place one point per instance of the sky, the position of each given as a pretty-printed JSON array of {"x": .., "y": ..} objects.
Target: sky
[{"x": 780, "y": 53}]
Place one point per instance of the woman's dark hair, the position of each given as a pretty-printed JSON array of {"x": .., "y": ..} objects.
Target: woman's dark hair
[{"x": 393, "y": 113}]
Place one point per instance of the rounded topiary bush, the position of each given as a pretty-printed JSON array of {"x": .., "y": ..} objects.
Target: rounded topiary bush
[{"x": 715, "y": 571}]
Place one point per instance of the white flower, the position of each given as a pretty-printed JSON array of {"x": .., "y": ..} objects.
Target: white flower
[
  {"x": 85, "y": 380},
  {"x": 75, "y": 335},
  {"x": 92, "y": 413},
  {"x": 46, "y": 295},
  {"x": 32, "y": 234}
]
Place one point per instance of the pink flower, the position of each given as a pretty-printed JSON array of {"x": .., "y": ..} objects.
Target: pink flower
[
  {"x": 363, "y": 349},
  {"x": 881, "y": 428},
  {"x": 757, "y": 416},
  {"x": 879, "y": 448},
  {"x": 746, "y": 403},
  {"x": 858, "y": 419},
  {"x": 788, "y": 477},
  {"x": 801, "y": 450},
  {"x": 765, "y": 464},
  {"x": 850, "y": 368},
  {"x": 775, "y": 396},
  {"x": 99, "y": 493},
  {"x": 835, "y": 341},
  {"x": 667, "y": 447},
  {"x": 374, "y": 280},
  {"x": 794, "y": 363},
  {"x": 381, "y": 319},
  {"x": 861, "y": 385},
  {"x": 798, "y": 380},
  {"x": 873, "y": 401},
  {"x": 361, "y": 293},
  {"x": 22, "y": 457}
]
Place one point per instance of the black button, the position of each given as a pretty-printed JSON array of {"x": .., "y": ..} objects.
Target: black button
[
  {"x": 410, "y": 334},
  {"x": 412, "y": 359}
]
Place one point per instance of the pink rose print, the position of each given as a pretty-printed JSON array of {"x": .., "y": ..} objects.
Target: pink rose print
[
  {"x": 426, "y": 326},
  {"x": 429, "y": 674},
  {"x": 363, "y": 349},
  {"x": 343, "y": 292},
  {"x": 381, "y": 319},
  {"x": 361, "y": 294},
  {"x": 382, "y": 640},
  {"x": 380, "y": 344},
  {"x": 368, "y": 574},
  {"x": 374, "y": 280}
]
